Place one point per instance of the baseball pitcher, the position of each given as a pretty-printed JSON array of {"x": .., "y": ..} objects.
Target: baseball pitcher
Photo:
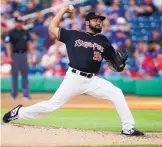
[{"x": 86, "y": 50}]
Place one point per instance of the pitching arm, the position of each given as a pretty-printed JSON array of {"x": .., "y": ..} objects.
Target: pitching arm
[{"x": 54, "y": 25}]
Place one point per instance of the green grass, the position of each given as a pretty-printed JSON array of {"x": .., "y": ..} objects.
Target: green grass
[{"x": 107, "y": 120}]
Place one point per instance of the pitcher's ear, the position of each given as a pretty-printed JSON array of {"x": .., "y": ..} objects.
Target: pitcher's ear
[{"x": 87, "y": 23}]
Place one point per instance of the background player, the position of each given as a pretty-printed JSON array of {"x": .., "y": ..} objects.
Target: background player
[
  {"x": 17, "y": 42},
  {"x": 85, "y": 51}
]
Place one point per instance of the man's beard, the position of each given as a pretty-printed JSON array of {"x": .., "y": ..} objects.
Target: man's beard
[{"x": 95, "y": 29}]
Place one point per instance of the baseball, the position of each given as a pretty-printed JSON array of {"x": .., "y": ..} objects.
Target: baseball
[{"x": 71, "y": 7}]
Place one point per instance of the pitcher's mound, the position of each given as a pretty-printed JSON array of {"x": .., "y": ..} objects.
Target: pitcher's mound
[{"x": 23, "y": 135}]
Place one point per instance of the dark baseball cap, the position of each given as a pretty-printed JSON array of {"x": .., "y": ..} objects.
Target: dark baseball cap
[
  {"x": 18, "y": 19},
  {"x": 92, "y": 15}
]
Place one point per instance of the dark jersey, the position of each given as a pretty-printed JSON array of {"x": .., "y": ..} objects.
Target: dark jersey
[
  {"x": 18, "y": 39},
  {"x": 85, "y": 51}
]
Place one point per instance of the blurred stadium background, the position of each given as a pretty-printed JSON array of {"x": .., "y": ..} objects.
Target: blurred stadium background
[{"x": 132, "y": 24}]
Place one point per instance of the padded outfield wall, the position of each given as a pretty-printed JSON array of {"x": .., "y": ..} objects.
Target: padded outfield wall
[{"x": 141, "y": 87}]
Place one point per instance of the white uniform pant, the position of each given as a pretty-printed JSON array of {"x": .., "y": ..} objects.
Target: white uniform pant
[{"x": 75, "y": 84}]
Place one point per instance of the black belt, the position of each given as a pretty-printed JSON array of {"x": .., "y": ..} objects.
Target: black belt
[
  {"x": 19, "y": 52},
  {"x": 88, "y": 75}
]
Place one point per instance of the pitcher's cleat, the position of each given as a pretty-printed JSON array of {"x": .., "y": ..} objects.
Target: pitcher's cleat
[
  {"x": 132, "y": 132},
  {"x": 11, "y": 115}
]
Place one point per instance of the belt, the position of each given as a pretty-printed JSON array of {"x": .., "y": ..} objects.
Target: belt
[
  {"x": 19, "y": 52},
  {"x": 88, "y": 75}
]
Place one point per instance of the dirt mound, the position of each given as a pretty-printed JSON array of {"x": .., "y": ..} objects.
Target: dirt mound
[{"x": 23, "y": 135}]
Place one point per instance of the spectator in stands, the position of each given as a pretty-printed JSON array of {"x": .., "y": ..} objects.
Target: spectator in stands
[
  {"x": 81, "y": 19},
  {"x": 4, "y": 65},
  {"x": 49, "y": 59},
  {"x": 82, "y": 11},
  {"x": 48, "y": 19},
  {"x": 156, "y": 36},
  {"x": 17, "y": 14},
  {"x": 158, "y": 59},
  {"x": 56, "y": 2},
  {"x": 39, "y": 21},
  {"x": 148, "y": 64},
  {"x": 58, "y": 46},
  {"x": 107, "y": 30},
  {"x": 109, "y": 73},
  {"x": 4, "y": 7},
  {"x": 128, "y": 45},
  {"x": 34, "y": 56},
  {"x": 72, "y": 21},
  {"x": 141, "y": 47},
  {"x": 138, "y": 58},
  {"x": 120, "y": 39},
  {"x": 101, "y": 8},
  {"x": 131, "y": 11},
  {"x": 114, "y": 12},
  {"x": 108, "y": 2},
  {"x": 37, "y": 40},
  {"x": 31, "y": 7},
  {"x": 58, "y": 71},
  {"x": 22, "y": 6},
  {"x": 9, "y": 21},
  {"x": 2, "y": 45},
  {"x": 38, "y": 5},
  {"x": 48, "y": 42},
  {"x": 4, "y": 28},
  {"x": 12, "y": 6},
  {"x": 147, "y": 9},
  {"x": 158, "y": 4},
  {"x": 123, "y": 25},
  {"x": 132, "y": 69}
]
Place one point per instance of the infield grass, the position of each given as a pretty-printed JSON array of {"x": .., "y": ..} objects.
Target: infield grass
[{"x": 106, "y": 120}]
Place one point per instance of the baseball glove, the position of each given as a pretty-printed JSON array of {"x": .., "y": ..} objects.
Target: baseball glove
[{"x": 118, "y": 60}]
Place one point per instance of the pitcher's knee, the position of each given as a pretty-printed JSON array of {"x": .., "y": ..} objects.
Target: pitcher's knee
[
  {"x": 118, "y": 93},
  {"x": 55, "y": 104}
]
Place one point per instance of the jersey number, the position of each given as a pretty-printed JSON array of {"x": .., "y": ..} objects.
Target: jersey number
[{"x": 97, "y": 56}]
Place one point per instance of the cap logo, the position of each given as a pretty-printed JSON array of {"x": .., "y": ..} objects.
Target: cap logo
[{"x": 98, "y": 14}]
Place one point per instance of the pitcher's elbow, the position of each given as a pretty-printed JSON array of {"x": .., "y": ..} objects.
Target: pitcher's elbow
[{"x": 51, "y": 33}]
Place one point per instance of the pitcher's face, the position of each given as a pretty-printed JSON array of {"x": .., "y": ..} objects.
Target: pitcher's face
[{"x": 95, "y": 25}]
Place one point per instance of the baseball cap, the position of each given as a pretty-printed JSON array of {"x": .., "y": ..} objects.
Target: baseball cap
[
  {"x": 18, "y": 19},
  {"x": 92, "y": 15}
]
